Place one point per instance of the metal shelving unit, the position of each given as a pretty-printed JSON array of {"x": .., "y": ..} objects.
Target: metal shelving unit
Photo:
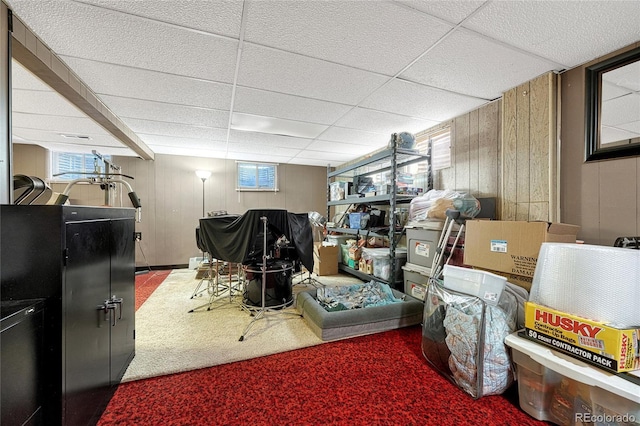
[{"x": 388, "y": 160}]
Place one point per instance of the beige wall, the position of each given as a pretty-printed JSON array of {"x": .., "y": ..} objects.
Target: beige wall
[
  {"x": 602, "y": 197},
  {"x": 171, "y": 196}
]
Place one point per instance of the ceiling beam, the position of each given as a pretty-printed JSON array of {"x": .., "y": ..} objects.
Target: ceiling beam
[{"x": 35, "y": 56}]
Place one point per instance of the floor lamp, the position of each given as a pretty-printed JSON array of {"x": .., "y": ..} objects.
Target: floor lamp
[{"x": 204, "y": 175}]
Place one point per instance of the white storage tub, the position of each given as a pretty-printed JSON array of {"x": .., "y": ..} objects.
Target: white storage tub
[
  {"x": 555, "y": 387},
  {"x": 482, "y": 284},
  {"x": 382, "y": 262}
]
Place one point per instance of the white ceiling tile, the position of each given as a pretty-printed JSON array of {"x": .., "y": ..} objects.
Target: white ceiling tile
[
  {"x": 337, "y": 147},
  {"x": 46, "y": 136},
  {"x": 267, "y": 140},
  {"x": 308, "y": 161},
  {"x": 472, "y": 65},
  {"x": 52, "y": 123},
  {"x": 166, "y": 68},
  {"x": 382, "y": 122},
  {"x": 187, "y": 150},
  {"x": 329, "y": 157},
  {"x": 258, "y": 148},
  {"x": 633, "y": 127},
  {"x": 257, "y": 156},
  {"x": 126, "y": 39},
  {"x": 450, "y": 11},
  {"x": 612, "y": 91},
  {"x": 156, "y": 141},
  {"x": 408, "y": 98},
  {"x": 43, "y": 103},
  {"x": 85, "y": 149},
  {"x": 354, "y": 136},
  {"x": 215, "y": 16},
  {"x": 567, "y": 32},
  {"x": 627, "y": 77},
  {"x": 361, "y": 34},
  {"x": 276, "y": 126},
  {"x": 622, "y": 110},
  {"x": 283, "y": 72},
  {"x": 613, "y": 134},
  {"x": 262, "y": 102},
  {"x": 116, "y": 80},
  {"x": 171, "y": 113},
  {"x": 173, "y": 129},
  {"x": 21, "y": 78}
]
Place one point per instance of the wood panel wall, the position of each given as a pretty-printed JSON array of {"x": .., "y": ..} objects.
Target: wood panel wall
[
  {"x": 529, "y": 149},
  {"x": 171, "y": 197},
  {"x": 475, "y": 153}
]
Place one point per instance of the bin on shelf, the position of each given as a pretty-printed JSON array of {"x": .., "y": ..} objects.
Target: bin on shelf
[{"x": 381, "y": 261}]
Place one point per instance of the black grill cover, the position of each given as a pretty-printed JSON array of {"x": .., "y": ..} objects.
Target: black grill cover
[{"x": 239, "y": 239}]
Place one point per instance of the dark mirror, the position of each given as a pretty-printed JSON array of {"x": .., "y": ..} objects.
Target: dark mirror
[{"x": 613, "y": 107}]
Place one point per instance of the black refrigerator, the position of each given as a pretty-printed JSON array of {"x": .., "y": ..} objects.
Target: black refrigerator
[{"x": 81, "y": 261}]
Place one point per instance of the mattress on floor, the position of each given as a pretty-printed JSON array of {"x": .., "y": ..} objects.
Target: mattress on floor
[{"x": 356, "y": 322}]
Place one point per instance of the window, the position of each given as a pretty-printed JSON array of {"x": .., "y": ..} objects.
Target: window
[
  {"x": 257, "y": 177},
  {"x": 440, "y": 148},
  {"x": 75, "y": 166}
]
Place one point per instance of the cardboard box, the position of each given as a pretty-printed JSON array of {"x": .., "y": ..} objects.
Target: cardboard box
[
  {"x": 511, "y": 246},
  {"x": 594, "y": 342},
  {"x": 519, "y": 280},
  {"x": 325, "y": 259}
]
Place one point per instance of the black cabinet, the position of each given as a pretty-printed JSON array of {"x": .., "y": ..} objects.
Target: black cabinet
[
  {"x": 21, "y": 357},
  {"x": 81, "y": 260}
]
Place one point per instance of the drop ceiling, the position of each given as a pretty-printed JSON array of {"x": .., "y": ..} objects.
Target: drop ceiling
[{"x": 300, "y": 82}]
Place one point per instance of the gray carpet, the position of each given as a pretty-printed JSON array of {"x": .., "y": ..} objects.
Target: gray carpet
[{"x": 170, "y": 340}]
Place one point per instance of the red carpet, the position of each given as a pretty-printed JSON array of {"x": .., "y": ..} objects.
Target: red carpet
[
  {"x": 381, "y": 379},
  {"x": 147, "y": 284}
]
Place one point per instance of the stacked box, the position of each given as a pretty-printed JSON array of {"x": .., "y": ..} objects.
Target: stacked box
[{"x": 512, "y": 247}]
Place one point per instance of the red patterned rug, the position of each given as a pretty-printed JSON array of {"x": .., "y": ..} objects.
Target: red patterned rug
[
  {"x": 380, "y": 379},
  {"x": 147, "y": 283}
]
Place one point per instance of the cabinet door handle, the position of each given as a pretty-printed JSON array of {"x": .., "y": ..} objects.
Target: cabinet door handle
[
  {"x": 117, "y": 301},
  {"x": 109, "y": 308}
]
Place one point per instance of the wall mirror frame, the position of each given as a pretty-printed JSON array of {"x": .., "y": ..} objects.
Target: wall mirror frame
[{"x": 613, "y": 109}]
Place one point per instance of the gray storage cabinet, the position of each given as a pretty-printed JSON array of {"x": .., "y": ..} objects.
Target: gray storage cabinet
[{"x": 81, "y": 260}]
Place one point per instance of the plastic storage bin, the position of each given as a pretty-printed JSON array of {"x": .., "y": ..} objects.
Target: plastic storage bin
[
  {"x": 554, "y": 387},
  {"x": 422, "y": 243},
  {"x": 482, "y": 284},
  {"x": 416, "y": 279},
  {"x": 382, "y": 262}
]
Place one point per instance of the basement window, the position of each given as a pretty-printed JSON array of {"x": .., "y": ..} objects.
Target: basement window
[
  {"x": 440, "y": 141},
  {"x": 70, "y": 165},
  {"x": 257, "y": 176}
]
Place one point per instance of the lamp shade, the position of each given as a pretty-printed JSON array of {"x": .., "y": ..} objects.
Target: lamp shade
[{"x": 203, "y": 174}]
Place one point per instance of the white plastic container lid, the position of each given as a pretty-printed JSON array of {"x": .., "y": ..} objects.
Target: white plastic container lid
[
  {"x": 412, "y": 267},
  {"x": 482, "y": 284}
]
